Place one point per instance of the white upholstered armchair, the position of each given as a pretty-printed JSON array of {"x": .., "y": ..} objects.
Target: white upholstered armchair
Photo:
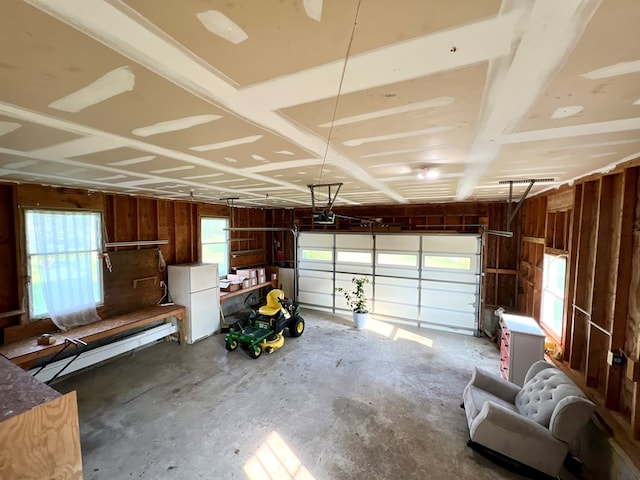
[{"x": 533, "y": 424}]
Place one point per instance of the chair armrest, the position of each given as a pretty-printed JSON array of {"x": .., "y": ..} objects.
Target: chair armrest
[
  {"x": 494, "y": 384},
  {"x": 503, "y": 419},
  {"x": 515, "y": 436}
]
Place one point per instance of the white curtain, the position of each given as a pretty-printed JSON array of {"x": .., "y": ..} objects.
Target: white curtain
[{"x": 63, "y": 251}]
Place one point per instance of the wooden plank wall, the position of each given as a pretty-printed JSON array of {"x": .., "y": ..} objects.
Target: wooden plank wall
[
  {"x": 501, "y": 260},
  {"x": 532, "y": 256},
  {"x": 134, "y": 281},
  {"x": 597, "y": 224},
  {"x": 9, "y": 295},
  {"x": 630, "y": 395},
  {"x": 126, "y": 219}
]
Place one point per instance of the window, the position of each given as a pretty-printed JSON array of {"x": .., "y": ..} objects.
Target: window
[
  {"x": 317, "y": 255},
  {"x": 214, "y": 240},
  {"x": 553, "y": 281},
  {"x": 63, "y": 261},
  {"x": 355, "y": 257},
  {"x": 397, "y": 259},
  {"x": 449, "y": 263}
]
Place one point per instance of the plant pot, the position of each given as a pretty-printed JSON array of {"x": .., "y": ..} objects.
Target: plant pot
[{"x": 360, "y": 320}]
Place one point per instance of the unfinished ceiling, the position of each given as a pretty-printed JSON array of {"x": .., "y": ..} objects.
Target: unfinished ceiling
[{"x": 211, "y": 99}]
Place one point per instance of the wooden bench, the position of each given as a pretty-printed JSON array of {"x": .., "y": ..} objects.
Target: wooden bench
[{"x": 25, "y": 353}]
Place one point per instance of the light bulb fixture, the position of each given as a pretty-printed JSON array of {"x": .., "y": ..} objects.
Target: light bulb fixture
[{"x": 428, "y": 173}]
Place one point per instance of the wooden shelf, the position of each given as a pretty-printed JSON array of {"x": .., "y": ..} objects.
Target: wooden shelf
[
  {"x": 12, "y": 313},
  {"x": 502, "y": 271},
  {"x": 227, "y": 295},
  {"x": 138, "y": 243},
  {"x": 240, "y": 253}
]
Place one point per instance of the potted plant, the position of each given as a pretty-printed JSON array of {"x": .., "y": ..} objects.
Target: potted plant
[{"x": 357, "y": 301}]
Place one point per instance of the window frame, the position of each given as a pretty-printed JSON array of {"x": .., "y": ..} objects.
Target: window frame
[
  {"x": 556, "y": 294},
  {"x": 26, "y": 256},
  {"x": 226, "y": 242}
]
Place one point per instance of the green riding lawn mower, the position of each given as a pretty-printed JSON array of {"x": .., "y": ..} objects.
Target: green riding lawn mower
[{"x": 263, "y": 330}]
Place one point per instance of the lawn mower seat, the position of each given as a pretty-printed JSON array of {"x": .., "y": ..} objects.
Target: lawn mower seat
[{"x": 273, "y": 305}]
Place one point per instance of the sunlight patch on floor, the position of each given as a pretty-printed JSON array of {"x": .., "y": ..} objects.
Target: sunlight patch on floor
[
  {"x": 274, "y": 460},
  {"x": 395, "y": 333}
]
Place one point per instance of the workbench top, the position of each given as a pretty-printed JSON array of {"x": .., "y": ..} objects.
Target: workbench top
[{"x": 20, "y": 391}]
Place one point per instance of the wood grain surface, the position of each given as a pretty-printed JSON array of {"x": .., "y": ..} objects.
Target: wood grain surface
[{"x": 42, "y": 443}]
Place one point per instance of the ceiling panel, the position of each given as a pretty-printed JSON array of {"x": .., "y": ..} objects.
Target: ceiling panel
[
  {"x": 288, "y": 36},
  {"x": 29, "y": 136},
  {"x": 207, "y": 98}
]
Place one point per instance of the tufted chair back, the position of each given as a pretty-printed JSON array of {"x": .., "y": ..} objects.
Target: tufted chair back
[{"x": 548, "y": 390}]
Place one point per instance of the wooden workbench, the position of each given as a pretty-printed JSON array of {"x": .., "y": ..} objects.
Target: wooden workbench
[{"x": 25, "y": 352}]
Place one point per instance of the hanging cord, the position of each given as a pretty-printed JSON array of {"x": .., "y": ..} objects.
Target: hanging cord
[
  {"x": 162, "y": 265},
  {"x": 105, "y": 240},
  {"x": 335, "y": 106}
]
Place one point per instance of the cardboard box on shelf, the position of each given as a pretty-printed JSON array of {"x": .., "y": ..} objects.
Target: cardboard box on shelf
[
  {"x": 246, "y": 283},
  {"x": 235, "y": 278},
  {"x": 253, "y": 281},
  {"x": 262, "y": 279},
  {"x": 261, "y": 272},
  {"x": 247, "y": 273},
  {"x": 228, "y": 286}
]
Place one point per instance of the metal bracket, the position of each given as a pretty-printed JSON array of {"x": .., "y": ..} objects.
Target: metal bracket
[
  {"x": 511, "y": 214},
  {"x": 77, "y": 343},
  {"x": 330, "y": 199},
  {"x": 229, "y": 201}
]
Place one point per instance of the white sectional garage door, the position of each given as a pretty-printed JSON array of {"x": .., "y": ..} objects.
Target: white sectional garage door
[{"x": 428, "y": 280}]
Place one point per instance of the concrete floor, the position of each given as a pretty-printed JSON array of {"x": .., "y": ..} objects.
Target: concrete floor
[{"x": 336, "y": 403}]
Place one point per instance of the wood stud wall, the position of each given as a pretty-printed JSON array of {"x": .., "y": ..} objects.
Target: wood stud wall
[
  {"x": 532, "y": 256},
  {"x": 126, "y": 219},
  {"x": 501, "y": 257},
  {"x": 630, "y": 397},
  {"x": 596, "y": 223},
  {"x": 9, "y": 295}
]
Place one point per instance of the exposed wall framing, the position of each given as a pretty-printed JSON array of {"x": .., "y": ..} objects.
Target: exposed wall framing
[
  {"x": 126, "y": 219},
  {"x": 532, "y": 246},
  {"x": 597, "y": 224}
]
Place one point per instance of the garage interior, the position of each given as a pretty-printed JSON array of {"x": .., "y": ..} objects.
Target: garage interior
[{"x": 514, "y": 124}]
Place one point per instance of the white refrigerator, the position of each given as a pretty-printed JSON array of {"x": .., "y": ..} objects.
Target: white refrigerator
[{"x": 196, "y": 286}]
